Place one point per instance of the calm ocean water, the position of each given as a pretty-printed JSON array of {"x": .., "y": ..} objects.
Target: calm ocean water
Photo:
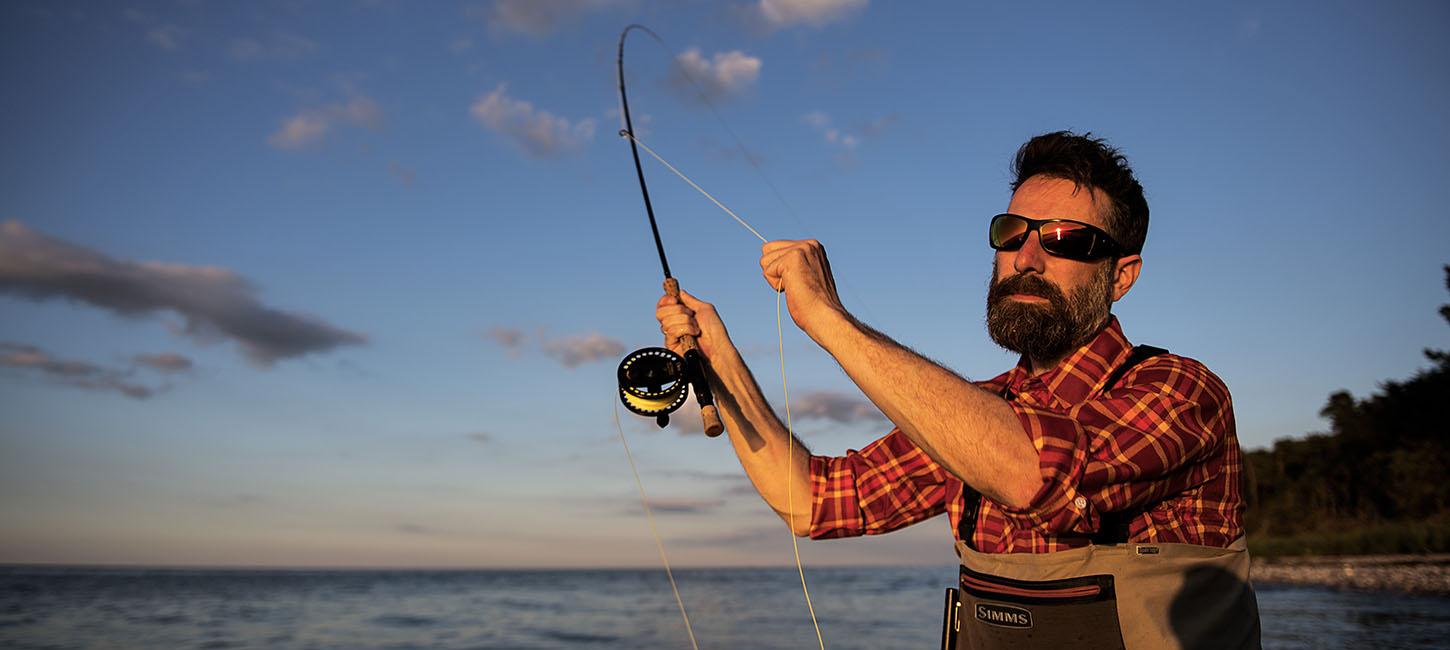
[{"x": 608, "y": 609}]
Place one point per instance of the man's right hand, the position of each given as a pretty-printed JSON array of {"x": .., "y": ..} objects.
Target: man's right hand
[{"x": 690, "y": 315}]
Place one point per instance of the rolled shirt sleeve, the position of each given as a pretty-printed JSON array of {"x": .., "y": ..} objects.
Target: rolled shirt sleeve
[
  {"x": 1135, "y": 444},
  {"x": 887, "y": 485}
]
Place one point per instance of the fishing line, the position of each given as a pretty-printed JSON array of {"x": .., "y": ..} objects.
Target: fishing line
[
  {"x": 651, "y": 152},
  {"x": 649, "y": 515},
  {"x": 789, "y": 465},
  {"x": 785, "y": 388}
]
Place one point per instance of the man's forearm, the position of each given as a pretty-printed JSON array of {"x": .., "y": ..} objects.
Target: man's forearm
[
  {"x": 972, "y": 433},
  {"x": 762, "y": 443}
]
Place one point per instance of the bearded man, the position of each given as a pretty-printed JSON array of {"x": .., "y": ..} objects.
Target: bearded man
[{"x": 1094, "y": 488}]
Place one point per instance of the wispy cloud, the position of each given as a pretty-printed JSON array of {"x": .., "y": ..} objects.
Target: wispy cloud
[
  {"x": 168, "y": 362},
  {"x": 540, "y": 17},
  {"x": 571, "y": 351},
  {"x": 87, "y": 375},
  {"x": 845, "y": 141},
  {"x": 836, "y": 406},
  {"x": 509, "y": 338},
  {"x": 215, "y": 302},
  {"x": 278, "y": 46},
  {"x": 585, "y": 348},
  {"x": 779, "y": 14},
  {"x": 311, "y": 125},
  {"x": 684, "y": 506},
  {"x": 409, "y": 528},
  {"x": 480, "y": 437},
  {"x": 723, "y": 76},
  {"x": 537, "y": 132}
]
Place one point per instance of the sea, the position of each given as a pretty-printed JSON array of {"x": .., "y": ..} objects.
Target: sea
[{"x": 870, "y": 607}]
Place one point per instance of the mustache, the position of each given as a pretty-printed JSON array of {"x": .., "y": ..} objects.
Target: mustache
[{"x": 1027, "y": 285}]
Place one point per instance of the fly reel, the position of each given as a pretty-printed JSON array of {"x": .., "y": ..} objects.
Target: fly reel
[{"x": 656, "y": 381}]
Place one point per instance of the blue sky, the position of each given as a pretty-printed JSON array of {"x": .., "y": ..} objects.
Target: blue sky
[{"x": 345, "y": 283}]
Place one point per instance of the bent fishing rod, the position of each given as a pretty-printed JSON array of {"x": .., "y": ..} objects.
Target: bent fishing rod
[{"x": 655, "y": 381}]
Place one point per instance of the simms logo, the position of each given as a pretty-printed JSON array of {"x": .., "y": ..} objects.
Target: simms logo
[{"x": 1004, "y": 615}]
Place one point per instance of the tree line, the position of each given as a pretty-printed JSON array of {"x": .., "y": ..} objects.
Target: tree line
[{"x": 1376, "y": 482}]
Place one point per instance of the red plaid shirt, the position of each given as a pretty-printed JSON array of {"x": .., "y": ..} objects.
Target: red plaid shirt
[{"x": 1159, "y": 446}]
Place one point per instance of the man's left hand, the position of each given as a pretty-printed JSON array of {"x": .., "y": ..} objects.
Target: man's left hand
[{"x": 801, "y": 270}]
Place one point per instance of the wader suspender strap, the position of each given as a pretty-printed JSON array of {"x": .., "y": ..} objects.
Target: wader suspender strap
[{"x": 1114, "y": 525}]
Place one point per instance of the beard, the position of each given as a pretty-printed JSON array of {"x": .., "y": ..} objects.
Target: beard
[{"x": 1045, "y": 332}]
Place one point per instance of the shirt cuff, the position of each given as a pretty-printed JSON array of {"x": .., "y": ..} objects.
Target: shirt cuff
[
  {"x": 1061, "y": 444},
  {"x": 835, "y": 509}
]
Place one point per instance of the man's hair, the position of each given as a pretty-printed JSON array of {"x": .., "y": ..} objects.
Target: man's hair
[{"x": 1090, "y": 163}]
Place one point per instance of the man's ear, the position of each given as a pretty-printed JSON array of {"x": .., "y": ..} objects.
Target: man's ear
[{"x": 1125, "y": 274}]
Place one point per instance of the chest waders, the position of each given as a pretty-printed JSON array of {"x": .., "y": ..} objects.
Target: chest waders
[{"x": 1110, "y": 594}]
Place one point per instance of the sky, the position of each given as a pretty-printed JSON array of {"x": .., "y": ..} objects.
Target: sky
[{"x": 346, "y": 283}]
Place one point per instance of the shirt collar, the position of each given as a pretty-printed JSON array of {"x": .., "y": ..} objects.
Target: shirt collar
[{"x": 1083, "y": 372}]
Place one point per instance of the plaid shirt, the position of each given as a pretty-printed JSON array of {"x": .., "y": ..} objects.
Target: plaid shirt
[{"x": 1158, "y": 447}]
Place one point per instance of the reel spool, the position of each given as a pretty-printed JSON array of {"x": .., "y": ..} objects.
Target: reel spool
[{"x": 654, "y": 382}]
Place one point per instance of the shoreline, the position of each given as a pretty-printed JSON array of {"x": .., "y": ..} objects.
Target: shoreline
[{"x": 1410, "y": 574}]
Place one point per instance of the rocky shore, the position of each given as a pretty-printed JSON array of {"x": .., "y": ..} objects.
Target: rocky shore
[{"x": 1420, "y": 574}]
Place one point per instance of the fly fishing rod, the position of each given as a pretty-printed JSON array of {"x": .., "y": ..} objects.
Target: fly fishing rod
[{"x": 656, "y": 381}]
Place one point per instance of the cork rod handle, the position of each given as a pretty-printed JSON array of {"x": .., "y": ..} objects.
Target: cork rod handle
[{"x": 708, "y": 413}]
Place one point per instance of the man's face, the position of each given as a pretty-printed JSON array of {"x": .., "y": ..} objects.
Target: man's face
[{"x": 1045, "y": 306}]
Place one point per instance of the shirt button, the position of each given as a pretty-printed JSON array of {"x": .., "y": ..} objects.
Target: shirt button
[{"x": 1080, "y": 502}]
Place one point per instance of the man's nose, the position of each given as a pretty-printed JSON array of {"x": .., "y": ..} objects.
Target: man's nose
[{"x": 1030, "y": 257}]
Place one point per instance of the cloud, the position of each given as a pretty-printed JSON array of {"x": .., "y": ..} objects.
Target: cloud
[
  {"x": 480, "y": 437},
  {"x": 163, "y": 362},
  {"x": 779, "y": 14},
  {"x": 755, "y": 537},
  {"x": 541, "y": 17},
  {"x": 835, "y": 406},
  {"x": 415, "y": 529},
  {"x": 278, "y": 46},
  {"x": 311, "y": 125},
  {"x": 684, "y": 506},
  {"x": 821, "y": 122},
  {"x": 299, "y": 131},
  {"x": 76, "y": 374},
  {"x": 846, "y": 141},
  {"x": 571, "y": 351},
  {"x": 214, "y": 302},
  {"x": 723, "y": 76},
  {"x": 537, "y": 132},
  {"x": 576, "y": 350},
  {"x": 509, "y": 338}
]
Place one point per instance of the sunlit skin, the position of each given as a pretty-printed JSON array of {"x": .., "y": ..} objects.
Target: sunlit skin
[{"x": 970, "y": 432}]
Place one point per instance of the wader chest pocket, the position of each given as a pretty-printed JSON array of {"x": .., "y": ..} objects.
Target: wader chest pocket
[{"x": 1005, "y": 613}]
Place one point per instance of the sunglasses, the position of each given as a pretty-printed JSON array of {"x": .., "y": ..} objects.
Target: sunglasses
[{"x": 1065, "y": 238}]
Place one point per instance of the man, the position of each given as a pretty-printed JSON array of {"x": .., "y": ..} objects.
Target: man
[{"x": 1094, "y": 488}]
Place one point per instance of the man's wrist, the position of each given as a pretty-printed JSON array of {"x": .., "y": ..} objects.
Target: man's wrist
[{"x": 832, "y": 327}]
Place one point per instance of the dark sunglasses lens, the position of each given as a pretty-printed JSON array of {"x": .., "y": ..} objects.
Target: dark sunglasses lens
[
  {"x": 1068, "y": 239},
  {"x": 1008, "y": 232}
]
